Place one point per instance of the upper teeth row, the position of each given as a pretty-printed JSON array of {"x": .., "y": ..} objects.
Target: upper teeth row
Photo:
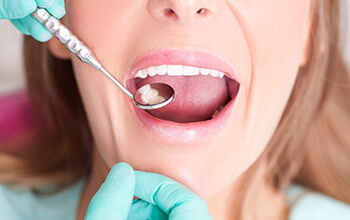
[{"x": 177, "y": 70}]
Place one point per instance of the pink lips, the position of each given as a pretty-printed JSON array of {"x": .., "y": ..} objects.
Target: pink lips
[{"x": 173, "y": 132}]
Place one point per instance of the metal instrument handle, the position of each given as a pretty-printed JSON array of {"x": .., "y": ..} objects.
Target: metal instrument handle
[{"x": 62, "y": 33}]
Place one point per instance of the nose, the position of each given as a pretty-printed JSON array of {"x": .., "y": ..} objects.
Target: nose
[{"x": 181, "y": 11}]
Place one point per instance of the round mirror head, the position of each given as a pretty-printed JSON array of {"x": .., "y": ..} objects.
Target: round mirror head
[{"x": 154, "y": 96}]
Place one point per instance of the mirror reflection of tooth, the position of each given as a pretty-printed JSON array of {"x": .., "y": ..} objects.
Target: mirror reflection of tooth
[
  {"x": 156, "y": 100},
  {"x": 144, "y": 99},
  {"x": 144, "y": 89},
  {"x": 149, "y": 94},
  {"x": 152, "y": 93}
]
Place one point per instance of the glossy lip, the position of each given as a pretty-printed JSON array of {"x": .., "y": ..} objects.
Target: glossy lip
[{"x": 183, "y": 133}]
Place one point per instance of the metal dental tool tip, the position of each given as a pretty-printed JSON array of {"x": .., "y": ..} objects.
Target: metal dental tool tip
[{"x": 149, "y": 97}]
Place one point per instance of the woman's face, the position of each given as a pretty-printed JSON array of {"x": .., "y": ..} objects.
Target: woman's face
[{"x": 259, "y": 45}]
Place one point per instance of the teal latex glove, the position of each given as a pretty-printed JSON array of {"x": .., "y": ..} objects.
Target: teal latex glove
[
  {"x": 18, "y": 11},
  {"x": 160, "y": 198}
]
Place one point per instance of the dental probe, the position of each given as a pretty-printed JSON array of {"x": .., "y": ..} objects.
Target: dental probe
[{"x": 149, "y": 97}]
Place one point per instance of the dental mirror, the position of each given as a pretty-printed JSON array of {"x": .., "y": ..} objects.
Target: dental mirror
[
  {"x": 149, "y": 97},
  {"x": 153, "y": 96}
]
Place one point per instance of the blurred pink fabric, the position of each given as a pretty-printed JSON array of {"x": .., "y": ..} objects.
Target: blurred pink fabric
[{"x": 15, "y": 115}]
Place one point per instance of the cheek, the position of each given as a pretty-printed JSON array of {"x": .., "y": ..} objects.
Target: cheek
[
  {"x": 274, "y": 31},
  {"x": 104, "y": 26},
  {"x": 98, "y": 24}
]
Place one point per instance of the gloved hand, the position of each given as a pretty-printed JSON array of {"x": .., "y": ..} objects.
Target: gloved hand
[
  {"x": 18, "y": 11},
  {"x": 160, "y": 198}
]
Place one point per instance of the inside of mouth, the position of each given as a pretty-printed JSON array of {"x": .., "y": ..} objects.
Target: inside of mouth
[{"x": 197, "y": 98}]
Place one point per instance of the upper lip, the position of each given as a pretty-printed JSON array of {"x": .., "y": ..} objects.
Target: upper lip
[{"x": 181, "y": 57}]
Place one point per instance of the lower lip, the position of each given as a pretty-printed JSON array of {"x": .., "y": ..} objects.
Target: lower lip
[{"x": 185, "y": 133}]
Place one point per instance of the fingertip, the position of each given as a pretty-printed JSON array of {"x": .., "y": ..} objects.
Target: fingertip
[
  {"x": 60, "y": 12},
  {"x": 45, "y": 3},
  {"x": 36, "y": 29},
  {"x": 49, "y": 2},
  {"x": 122, "y": 166},
  {"x": 57, "y": 9},
  {"x": 27, "y": 6},
  {"x": 121, "y": 170},
  {"x": 44, "y": 37},
  {"x": 41, "y": 35}
]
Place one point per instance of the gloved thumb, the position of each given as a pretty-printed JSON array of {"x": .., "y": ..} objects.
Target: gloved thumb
[{"x": 114, "y": 198}]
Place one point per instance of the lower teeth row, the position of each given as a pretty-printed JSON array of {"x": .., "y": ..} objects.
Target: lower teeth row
[{"x": 217, "y": 111}]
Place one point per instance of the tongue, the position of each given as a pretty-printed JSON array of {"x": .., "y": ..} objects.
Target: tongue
[{"x": 196, "y": 97}]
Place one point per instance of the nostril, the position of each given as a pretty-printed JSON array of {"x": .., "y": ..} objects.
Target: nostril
[
  {"x": 169, "y": 11},
  {"x": 202, "y": 11},
  {"x": 183, "y": 15}
]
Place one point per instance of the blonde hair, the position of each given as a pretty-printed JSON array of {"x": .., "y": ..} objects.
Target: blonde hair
[{"x": 311, "y": 145}]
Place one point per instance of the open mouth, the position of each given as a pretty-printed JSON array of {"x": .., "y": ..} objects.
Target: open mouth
[{"x": 200, "y": 93}]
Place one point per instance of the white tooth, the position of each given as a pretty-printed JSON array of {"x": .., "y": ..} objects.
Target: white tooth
[
  {"x": 149, "y": 94},
  {"x": 138, "y": 74},
  {"x": 190, "y": 71},
  {"x": 215, "y": 114},
  {"x": 156, "y": 100},
  {"x": 217, "y": 111},
  {"x": 144, "y": 73},
  {"x": 204, "y": 71},
  {"x": 143, "y": 89},
  {"x": 141, "y": 74},
  {"x": 144, "y": 99},
  {"x": 161, "y": 70},
  {"x": 214, "y": 73},
  {"x": 175, "y": 70},
  {"x": 151, "y": 71}
]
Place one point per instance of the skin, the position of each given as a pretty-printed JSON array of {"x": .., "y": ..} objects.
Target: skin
[{"x": 264, "y": 41}]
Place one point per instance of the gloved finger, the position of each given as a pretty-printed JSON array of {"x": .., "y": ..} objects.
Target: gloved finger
[
  {"x": 36, "y": 29},
  {"x": 57, "y": 9},
  {"x": 141, "y": 210},
  {"x": 170, "y": 196},
  {"x": 114, "y": 198},
  {"x": 15, "y": 9},
  {"x": 20, "y": 26},
  {"x": 45, "y": 3}
]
